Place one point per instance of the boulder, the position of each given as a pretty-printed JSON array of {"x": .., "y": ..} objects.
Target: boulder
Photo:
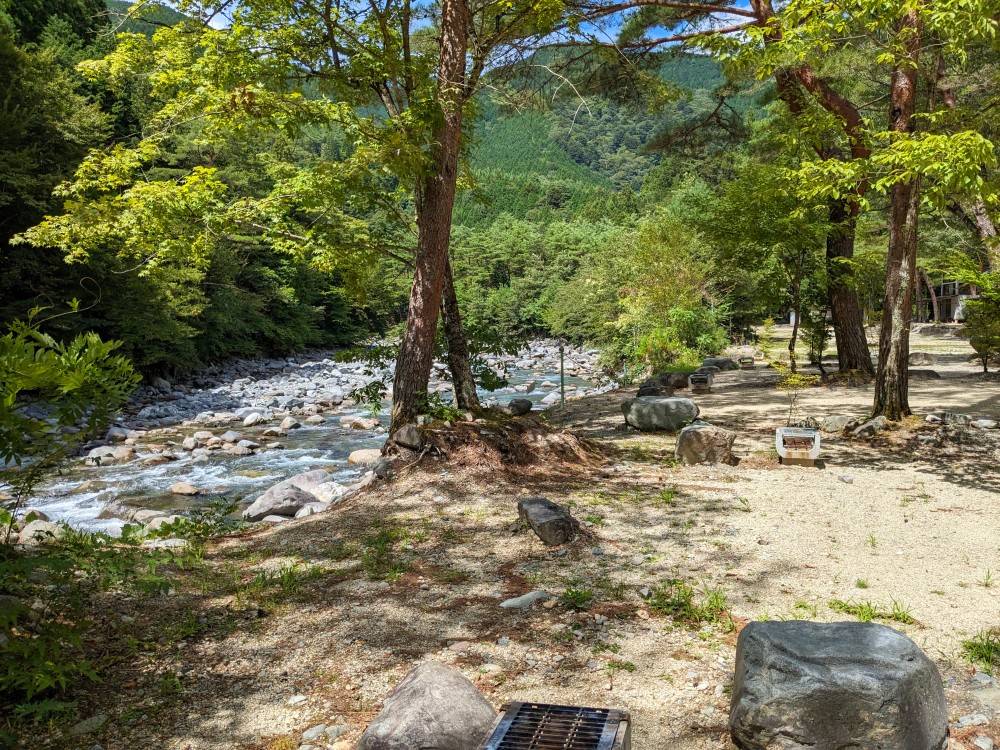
[
  {"x": 364, "y": 456},
  {"x": 408, "y": 436},
  {"x": 708, "y": 370},
  {"x": 253, "y": 418},
  {"x": 924, "y": 375},
  {"x": 183, "y": 488},
  {"x": 203, "y": 436},
  {"x": 359, "y": 423},
  {"x": 872, "y": 426},
  {"x": 35, "y": 515},
  {"x": 310, "y": 509},
  {"x": 286, "y": 497},
  {"x": 525, "y": 601},
  {"x": 702, "y": 443},
  {"x": 835, "y": 422},
  {"x": 985, "y": 424},
  {"x": 106, "y": 455},
  {"x": 315, "y": 419},
  {"x": 923, "y": 358},
  {"x": 231, "y": 436},
  {"x": 290, "y": 423},
  {"x": 328, "y": 492},
  {"x": 651, "y": 413},
  {"x": 656, "y": 387},
  {"x": 520, "y": 406},
  {"x": 39, "y": 532},
  {"x": 434, "y": 706},
  {"x": 947, "y": 417},
  {"x": 553, "y": 523},
  {"x": 813, "y": 685},
  {"x": 676, "y": 380},
  {"x": 161, "y": 384},
  {"x": 723, "y": 363},
  {"x": 189, "y": 444}
]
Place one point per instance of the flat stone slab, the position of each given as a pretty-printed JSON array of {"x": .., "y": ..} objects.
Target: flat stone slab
[{"x": 526, "y": 601}]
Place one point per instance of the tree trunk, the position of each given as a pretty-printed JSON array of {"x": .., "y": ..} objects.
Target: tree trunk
[
  {"x": 892, "y": 377},
  {"x": 458, "y": 348},
  {"x": 848, "y": 321},
  {"x": 935, "y": 311},
  {"x": 987, "y": 231},
  {"x": 435, "y": 203},
  {"x": 797, "y": 306}
]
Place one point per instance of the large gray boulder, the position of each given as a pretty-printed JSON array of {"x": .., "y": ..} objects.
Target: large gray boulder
[
  {"x": 40, "y": 532},
  {"x": 703, "y": 443},
  {"x": 659, "y": 386},
  {"x": 822, "y": 686},
  {"x": 553, "y": 523},
  {"x": 287, "y": 497},
  {"x": 723, "y": 363},
  {"x": 519, "y": 406},
  {"x": 652, "y": 413},
  {"x": 434, "y": 706}
]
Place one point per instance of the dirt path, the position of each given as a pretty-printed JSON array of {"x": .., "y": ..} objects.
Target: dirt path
[{"x": 313, "y": 621}]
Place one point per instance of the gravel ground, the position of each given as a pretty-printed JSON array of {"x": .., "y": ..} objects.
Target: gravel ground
[{"x": 242, "y": 656}]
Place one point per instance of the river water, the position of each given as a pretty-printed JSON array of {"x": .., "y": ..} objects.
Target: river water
[{"x": 80, "y": 495}]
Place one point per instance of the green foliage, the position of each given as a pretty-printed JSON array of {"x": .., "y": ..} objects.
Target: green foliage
[
  {"x": 983, "y": 650},
  {"x": 45, "y": 601},
  {"x": 577, "y": 597},
  {"x": 676, "y": 599},
  {"x": 55, "y": 395}
]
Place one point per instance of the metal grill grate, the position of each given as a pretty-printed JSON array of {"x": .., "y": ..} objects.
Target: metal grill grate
[{"x": 540, "y": 726}]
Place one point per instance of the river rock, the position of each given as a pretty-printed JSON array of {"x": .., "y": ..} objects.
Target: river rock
[
  {"x": 553, "y": 523},
  {"x": 947, "y": 417},
  {"x": 408, "y": 436},
  {"x": 923, "y": 358},
  {"x": 835, "y": 422},
  {"x": 310, "y": 509},
  {"x": 723, "y": 363},
  {"x": 290, "y": 423},
  {"x": 189, "y": 444},
  {"x": 525, "y": 601},
  {"x": 253, "y": 418},
  {"x": 286, "y": 497},
  {"x": 434, "y": 706},
  {"x": 231, "y": 436},
  {"x": 203, "y": 436},
  {"x": 329, "y": 492},
  {"x": 155, "y": 524},
  {"x": 651, "y": 413},
  {"x": 106, "y": 455},
  {"x": 702, "y": 443},
  {"x": 364, "y": 456},
  {"x": 39, "y": 532},
  {"x": 315, "y": 419},
  {"x": 183, "y": 488},
  {"x": 279, "y": 501},
  {"x": 813, "y": 685},
  {"x": 520, "y": 406},
  {"x": 871, "y": 427},
  {"x": 359, "y": 423}
]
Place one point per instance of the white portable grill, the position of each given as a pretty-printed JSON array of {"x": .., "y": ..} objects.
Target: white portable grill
[
  {"x": 700, "y": 382},
  {"x": 797, "y": 445}
]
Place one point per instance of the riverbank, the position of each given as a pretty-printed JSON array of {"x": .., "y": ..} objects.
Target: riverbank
[
  {"x": 282, "y": 629},
  {"x": 230, "y": 433}
]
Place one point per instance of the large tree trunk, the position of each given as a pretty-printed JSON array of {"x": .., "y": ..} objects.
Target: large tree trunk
[
  {"x": 458, "y": 348},
  {"x": 848, "y": 321},
  {"x": 892, "y": 377},
  {"x": 435, "y": 203},
  {"x": 935, "y": 311}
]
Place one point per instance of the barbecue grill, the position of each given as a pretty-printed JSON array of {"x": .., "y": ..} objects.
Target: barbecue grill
[
  {"x": 542, "y": 726},
  {"x": 797, "y": 445},
  {"x": 700, "y": 383}
]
